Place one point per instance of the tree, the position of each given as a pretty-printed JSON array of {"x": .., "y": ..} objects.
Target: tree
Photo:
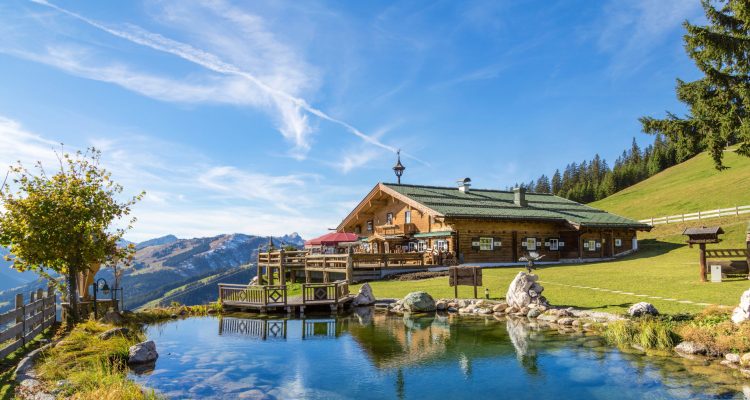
[
  {"x": 542, "y": 185},
  {"x": 556, "y": 182},
  {"x": 64, "y": 222},
  {"x": 718, "y": 102}
]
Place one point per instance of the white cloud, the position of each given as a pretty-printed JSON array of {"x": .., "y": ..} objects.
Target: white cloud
[
  {"x": 631, "y": 30},
  {"x": 190, "y": 195},
  {"x": 290, "y": 107}
]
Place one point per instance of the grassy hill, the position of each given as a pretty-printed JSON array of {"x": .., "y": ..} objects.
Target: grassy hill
[{"x": 694, "y": 185}]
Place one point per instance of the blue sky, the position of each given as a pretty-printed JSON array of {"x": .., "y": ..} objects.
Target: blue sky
[{"x": 274, "y": 117}]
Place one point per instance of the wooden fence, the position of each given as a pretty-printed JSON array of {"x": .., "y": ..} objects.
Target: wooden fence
[
  {"x": 325, "y": 292},
  {"x": 698, "y": 216},
  {"x": 26, "y": 321},
  {"x": 265, "y": 295}
]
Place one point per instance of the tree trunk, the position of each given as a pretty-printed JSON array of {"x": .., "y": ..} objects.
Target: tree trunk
[{"x": 73, "y": 316}]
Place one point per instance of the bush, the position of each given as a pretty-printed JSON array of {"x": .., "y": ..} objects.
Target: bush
[{"x": 647, "y": 332}]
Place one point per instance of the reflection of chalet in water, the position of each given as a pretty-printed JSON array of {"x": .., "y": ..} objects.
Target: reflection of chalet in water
[{"x": 463, "y": 224}]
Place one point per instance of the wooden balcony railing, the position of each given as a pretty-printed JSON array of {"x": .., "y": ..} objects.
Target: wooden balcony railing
[
  {"x": 290, "y": 259},
  {"x": 387, "y": 260},
  {"x": 253, "y": 295},
  {"x": 395, "y": 229},
  {"x": 319, "y": 261}
]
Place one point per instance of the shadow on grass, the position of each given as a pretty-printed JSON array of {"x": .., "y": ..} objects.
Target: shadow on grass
[
  {"x": 577, "y": 307},
  {"x": 653, "y": 248},
  {"x": 8, "y": 365}
]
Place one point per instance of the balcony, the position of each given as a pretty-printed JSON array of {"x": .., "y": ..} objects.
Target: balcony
[{"x": 395, "y": 229}]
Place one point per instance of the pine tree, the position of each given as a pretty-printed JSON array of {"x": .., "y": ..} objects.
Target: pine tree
[
  {"x": 556, "y": 182},
  {"x": 718, "y": 102}
]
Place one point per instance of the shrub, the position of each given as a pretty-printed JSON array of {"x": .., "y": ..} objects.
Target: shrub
[{"x": 649, "y": 333}]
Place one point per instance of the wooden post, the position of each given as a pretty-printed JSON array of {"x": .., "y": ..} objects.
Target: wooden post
[
  {"x": 703, "y": 262},
  {"x": 474, "y": 271},
  {"x": 20, "y": 314},
  {"x": 580, "y": 245},
  {"x": 350, "y": 266},
  {"x": 282, "y": 268},
  {"x": 326, "y": 276},
  {"x": 307, "y": 276},
  {"x": 455, "y": 281}
]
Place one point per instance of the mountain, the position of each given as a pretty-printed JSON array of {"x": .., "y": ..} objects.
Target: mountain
[
  {"x": 169, "y": 239},
  {"x": 10, "y": 278},
  {"x": 691, "y": 186},
  {"x": 168, "y": 263}
]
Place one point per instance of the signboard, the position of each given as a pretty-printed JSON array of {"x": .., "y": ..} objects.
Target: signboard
[
  {"x": 465, "y": 276},
  {"x": 716, "y": 273}
]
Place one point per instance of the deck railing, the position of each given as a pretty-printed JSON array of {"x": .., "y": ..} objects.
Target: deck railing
[
  {"x": 324, "y": 292},
  {"x": 396, "y": 229},
  {"x": 336, "y": 261},
  {"x": 255, "y": 295},
  {"x": 290, "y": 258},
  {"x": 387, "y": 260}
]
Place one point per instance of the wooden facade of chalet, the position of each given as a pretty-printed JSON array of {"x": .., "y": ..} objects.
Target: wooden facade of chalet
[{"x": 464, "y": 225}]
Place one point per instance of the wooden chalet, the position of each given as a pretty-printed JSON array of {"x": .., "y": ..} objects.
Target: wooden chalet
[{"x": 451, "y": 225}]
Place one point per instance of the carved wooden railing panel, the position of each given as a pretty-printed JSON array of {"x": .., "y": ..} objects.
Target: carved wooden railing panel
[
  {"x": 254, "y": 295},
  {"x": 256, "y": 328},
  {"x": 726, "y": 253},
  {"x": 324, "y": 292}
]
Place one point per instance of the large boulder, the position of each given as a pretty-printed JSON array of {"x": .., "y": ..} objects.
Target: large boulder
[
  {"x": 524, "y": 290},
  {"x": 642, "y": 308},
  {"x": 691, "y": 348},
  {"x": 742, "y": 312},
  {"x": 365, "y": 297},
  {"x": 143, "y": 353},
  {"x": 418, "y": 302}
]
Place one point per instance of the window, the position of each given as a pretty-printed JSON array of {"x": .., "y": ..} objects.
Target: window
[
  {"x": 375, "y": 247},
  {"x": 389, "y": 219},
  {"x": 618, "y": 242},
  {"x": 366, "y": 247},
  {"x": 591, "y": 245},
  {"x": 407, "y": 217},
  {"x": 485, "y": 243},
  {"x": 530, "y": 244},
  {"x": 441, "y": 245},
  {"x": 358, "y": 229},
  {"x": 369, "y": 226},
  {"x": 412, "y": 246},
  {"x": 421, "y": 245},
  {"x": 554, "y": 244}
]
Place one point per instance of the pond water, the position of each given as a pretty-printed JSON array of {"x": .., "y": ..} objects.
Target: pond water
[{"x": 374, "y": 356}]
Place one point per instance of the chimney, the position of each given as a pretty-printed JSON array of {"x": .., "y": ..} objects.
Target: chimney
[
  {"x": 464, "y": 185},
  {"x": 519, "y": 197}
]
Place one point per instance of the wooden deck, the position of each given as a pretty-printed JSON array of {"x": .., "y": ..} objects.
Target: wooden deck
[
  {"x": 332, "y": 296},
  {"x": 278, "y": 266}
]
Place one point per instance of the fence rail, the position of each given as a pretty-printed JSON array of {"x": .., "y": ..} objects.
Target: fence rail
[
  {"x": 25, "y": 321},
  {"x": 698, "y": 216},
  {"x": 255, "y": 295},
  {"x": 324, "y": 292}
]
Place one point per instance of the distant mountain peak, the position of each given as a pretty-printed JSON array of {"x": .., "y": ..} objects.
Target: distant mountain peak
[{"x": 168, "y": 239}]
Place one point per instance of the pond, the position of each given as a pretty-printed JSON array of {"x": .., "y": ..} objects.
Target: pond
[{"x": 377, "y": 356}]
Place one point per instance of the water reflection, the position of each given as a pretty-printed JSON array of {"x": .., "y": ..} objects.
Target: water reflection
[{"x": 372, "y": 355}]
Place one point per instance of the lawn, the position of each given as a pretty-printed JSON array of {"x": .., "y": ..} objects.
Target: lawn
[
  {"x": 692, "y": 186},
  {"x": 665, "y": 267}
]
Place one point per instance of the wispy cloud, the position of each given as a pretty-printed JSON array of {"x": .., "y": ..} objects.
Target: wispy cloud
[
  {"x": 631, "y": 30},
  {"x": 291, "y": 108},
  {"x": 190, "y": 195}
]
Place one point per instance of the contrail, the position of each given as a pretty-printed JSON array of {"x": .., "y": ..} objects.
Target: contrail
[{"x": 211, "y": 62}]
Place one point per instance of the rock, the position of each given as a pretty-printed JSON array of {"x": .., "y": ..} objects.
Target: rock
[
  {"x": 114, "y": 332},
  {"x": 549, "y": 316},
  {"x": 499, "y": 308},
  {"x": 742, "y": 312},
  {"x": 534, "y": 312},
  {"x": 567, "y": 321},
  {"x": 453, "y": 304},
  {"x": 419, "y": 302},
  {"x": 745, "y": 359},
  {"x": 143, "y": 353},
  {"x": 691, "y": 348},
  {"x": 524, "y": 310},
  {"x": 642, "y": 308},
  {"x": 523, "y": 290},
  {"x": 441, "y": 305},
  {"x": 452, "y": 309},
  {"x": 733, "y": 358},
  {"x": 564, "y": 313},
  {"x": 365, "y": 297},
  {"x": 463, "y": 303},
  {"x": 484, "y": 311},
  {"x": 113, "y": 317}
]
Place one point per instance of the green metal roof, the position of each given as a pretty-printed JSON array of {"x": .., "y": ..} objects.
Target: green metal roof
[
  {"x": 433, "y": 234},
  {"x": 498, "y": 204}
]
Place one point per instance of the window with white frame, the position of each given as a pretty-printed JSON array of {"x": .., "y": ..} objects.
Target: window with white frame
[
  {"x": 407, "y": 217},
  {"x": 592, "y": 245},
  {"x": 618, "y": 242},
  {"x": 485, "y": 243},
  {"x": 389, "y": 219},
  {"x": 530, "y": 244},
  {"x": 369, "y": 226},
  {"x": 421, "y": 245},
  {"x": 554, "y": 244},
  {"x": 441, "y": 245}
]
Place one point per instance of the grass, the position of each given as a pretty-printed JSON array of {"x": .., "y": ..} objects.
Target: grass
[
  {"x": 648, "y": 333},
  {"x": 692, "y": 186},
  {"x": 91, "y": 367},
  {"x": 665, "y": 266},
  {"x": 8, "y": 365}
]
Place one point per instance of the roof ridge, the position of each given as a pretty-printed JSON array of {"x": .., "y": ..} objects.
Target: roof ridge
[{"x": 472, "y": 190}]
